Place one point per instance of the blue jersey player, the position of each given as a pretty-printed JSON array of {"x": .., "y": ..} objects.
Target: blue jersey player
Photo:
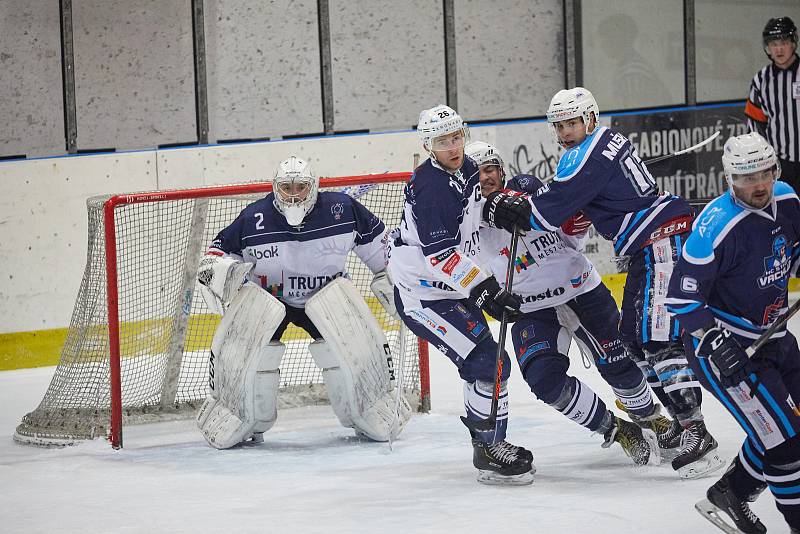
[
  {"x": 601, "y": 175},
  {"x": 728, "y": 287},
  {"x": 440, "y": 290}
]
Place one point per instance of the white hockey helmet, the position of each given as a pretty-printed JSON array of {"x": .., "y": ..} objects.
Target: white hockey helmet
[
  {"x": 485, "y": 154},
  {"x": 747, "y": 154},
  {"x": 438, "y": 121},
  {"x": 295, "y": 187},
  {"x": 570, "y": 103}
]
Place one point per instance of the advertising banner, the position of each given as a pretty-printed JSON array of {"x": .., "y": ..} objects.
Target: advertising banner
[{"x": 696, "y": 176}]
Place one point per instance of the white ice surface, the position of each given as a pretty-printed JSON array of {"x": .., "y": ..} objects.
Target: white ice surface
[{"x": 311, "y": 475}]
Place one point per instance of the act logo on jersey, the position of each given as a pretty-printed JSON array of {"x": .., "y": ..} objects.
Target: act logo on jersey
[
  {"x": 776, "y": 266},
  {"x": 337, "y": 210}
]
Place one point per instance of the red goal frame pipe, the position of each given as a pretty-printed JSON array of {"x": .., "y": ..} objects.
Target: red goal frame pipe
[{"x": 112, "y": 287}]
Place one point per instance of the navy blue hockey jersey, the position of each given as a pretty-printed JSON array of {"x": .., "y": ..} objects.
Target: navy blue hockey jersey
[
  {"x": 292, "y": 263},
  {"x": 604, "y": 177},
  {"x": 433, "y": 255},
  {"x": 735, "y": 265}
]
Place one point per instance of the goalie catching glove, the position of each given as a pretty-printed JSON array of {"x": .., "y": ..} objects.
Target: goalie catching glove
[
  {"x": 220, "y": 278},
  {"x": 494, "y": 300},
  {"x": 507, "y": 211},
  {"x": 727, "y": 354}
]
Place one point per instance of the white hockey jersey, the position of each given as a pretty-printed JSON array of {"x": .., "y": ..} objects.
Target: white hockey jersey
[
  {"x": 293, "y": 263},
  {"x": 550, "y": 267},
  {"x": 432, "y": 255}
]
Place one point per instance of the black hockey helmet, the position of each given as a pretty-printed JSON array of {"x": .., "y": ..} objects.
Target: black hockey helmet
[{"x": 779, "y": 28}]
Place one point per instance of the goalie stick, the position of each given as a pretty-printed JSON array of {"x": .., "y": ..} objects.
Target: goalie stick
[{"x": 489, "y": 423}]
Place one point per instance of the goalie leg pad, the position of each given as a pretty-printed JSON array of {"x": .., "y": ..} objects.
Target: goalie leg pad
[
  {"x": 244, "y": 383},
  {"x": 356, "y": 361}
]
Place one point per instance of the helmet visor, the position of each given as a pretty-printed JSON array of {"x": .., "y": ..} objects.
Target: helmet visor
[
  {"x": 450, "y": 141},
  {"x": 755, "y": 178}
]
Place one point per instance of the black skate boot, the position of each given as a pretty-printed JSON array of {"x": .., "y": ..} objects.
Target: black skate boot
[
  {"x": 631, "y": 439},
  {"x": 720, "y": 498},
  {"x": 500, "y": 464},
  {"x": 668, "y": 431},
  {"x": 698, "y": 456}
]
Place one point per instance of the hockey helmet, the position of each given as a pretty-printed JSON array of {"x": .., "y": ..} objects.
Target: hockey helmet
[
  {"x": 571, "y": 103},
  {"x": 437, "y": 122},
  {"x": 485, "y": 154}
]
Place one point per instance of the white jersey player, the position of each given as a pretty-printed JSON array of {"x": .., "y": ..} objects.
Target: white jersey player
[
  {"x": 440, "y": 290},
  {"x": 563, "y": 294},
  {"x": 290, "y": 249}
]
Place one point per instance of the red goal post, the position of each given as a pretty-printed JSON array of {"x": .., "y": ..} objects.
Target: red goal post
[{"x": 144, "y": 248}]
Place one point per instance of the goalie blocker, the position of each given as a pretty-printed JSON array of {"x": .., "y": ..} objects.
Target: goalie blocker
[{"x": 353, "y": 354}]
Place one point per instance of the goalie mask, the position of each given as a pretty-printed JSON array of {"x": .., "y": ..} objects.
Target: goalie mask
[
  {"x": 295, "y": 188},
  {"x": 440, "y": 121},
  {"x": 751, "y": 168},
  {"x": 572, "y": 103}
]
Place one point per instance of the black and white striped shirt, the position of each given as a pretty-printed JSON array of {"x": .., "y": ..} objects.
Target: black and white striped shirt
[{"x": 773, "y": 108}]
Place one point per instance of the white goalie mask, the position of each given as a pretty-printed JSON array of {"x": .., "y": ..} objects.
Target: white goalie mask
[
  {"x": 745, "y": 157},
  {"x": 485, "y": 154},
  {"x": 295, "y": 188},
  {"x": 437, "y": 122},
  {"x": 571, "y": 103}
]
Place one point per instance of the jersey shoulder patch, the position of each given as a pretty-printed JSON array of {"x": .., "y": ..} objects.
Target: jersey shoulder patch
[
  {"x": 710, "y": 228},
  {"x": 525, "y": 183},
  {"x": 574, "y": 159}
]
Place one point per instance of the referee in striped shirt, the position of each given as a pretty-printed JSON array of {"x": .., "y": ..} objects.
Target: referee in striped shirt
[{"x": 773, "y": 106}]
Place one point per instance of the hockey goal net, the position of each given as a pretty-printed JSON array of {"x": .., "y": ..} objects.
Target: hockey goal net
[{"x": 139, "y": 338}]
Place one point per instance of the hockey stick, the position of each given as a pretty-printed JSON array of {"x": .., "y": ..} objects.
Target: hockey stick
[
  {"x": 692, "y": 148},
  {"x": 398, "y": 383},
  {"x": 758, "y": 343},
  {"x": 657, "y": 159},
  {"x": 777, "y": 325},
  {"x": 489, "y": 423}
]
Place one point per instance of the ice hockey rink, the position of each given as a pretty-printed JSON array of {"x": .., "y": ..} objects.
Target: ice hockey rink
[{"x": 313, "y": 476}]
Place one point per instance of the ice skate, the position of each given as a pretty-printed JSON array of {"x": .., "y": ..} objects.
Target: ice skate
[
  {"x": 502, "y": 464},
  {"x": 668, "y": 431},
  {"x": 640, "y": 444},
  {"x": 720, "y": 501},
  {"x": 698, "y": 455}
]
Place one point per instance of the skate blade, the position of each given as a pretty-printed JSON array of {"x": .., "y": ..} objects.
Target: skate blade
[
  {"x": 702, "y": 467},
  {"x": 715, "y": 516},
  {"x": 490, "y": 478},
  {"x": 655, "y": 451}
]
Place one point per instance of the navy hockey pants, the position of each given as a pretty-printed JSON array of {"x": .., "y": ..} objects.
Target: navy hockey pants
[
  {"x": 541, "y": 345},
  {"x": 651, "y": 336},
  {"x": 770, "y": 418},
  {"x": 458, "y": 329}
]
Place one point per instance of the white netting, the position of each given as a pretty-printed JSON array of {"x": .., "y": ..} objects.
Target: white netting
[{"x": 164, "y": 349}]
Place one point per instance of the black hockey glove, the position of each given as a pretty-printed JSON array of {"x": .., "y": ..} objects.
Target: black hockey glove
[
  {"x": 505, "y": 211},
  {"x": 726, "y": 353},
  {"x": 494, "y": 300}
]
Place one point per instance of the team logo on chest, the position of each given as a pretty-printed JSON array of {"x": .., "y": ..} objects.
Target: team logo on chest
[
  {"x": 776, "y": 266},
  {"x": 337, "y": 210}
]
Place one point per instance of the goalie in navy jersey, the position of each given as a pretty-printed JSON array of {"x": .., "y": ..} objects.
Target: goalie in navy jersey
[
  {"x": 601, "y": 175},
  {"x": 729, "y": 286},
  {"x": 440, "y": 290},
  {"x": 281, "y": 261},
  {"x": 563, "y": 297}
]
